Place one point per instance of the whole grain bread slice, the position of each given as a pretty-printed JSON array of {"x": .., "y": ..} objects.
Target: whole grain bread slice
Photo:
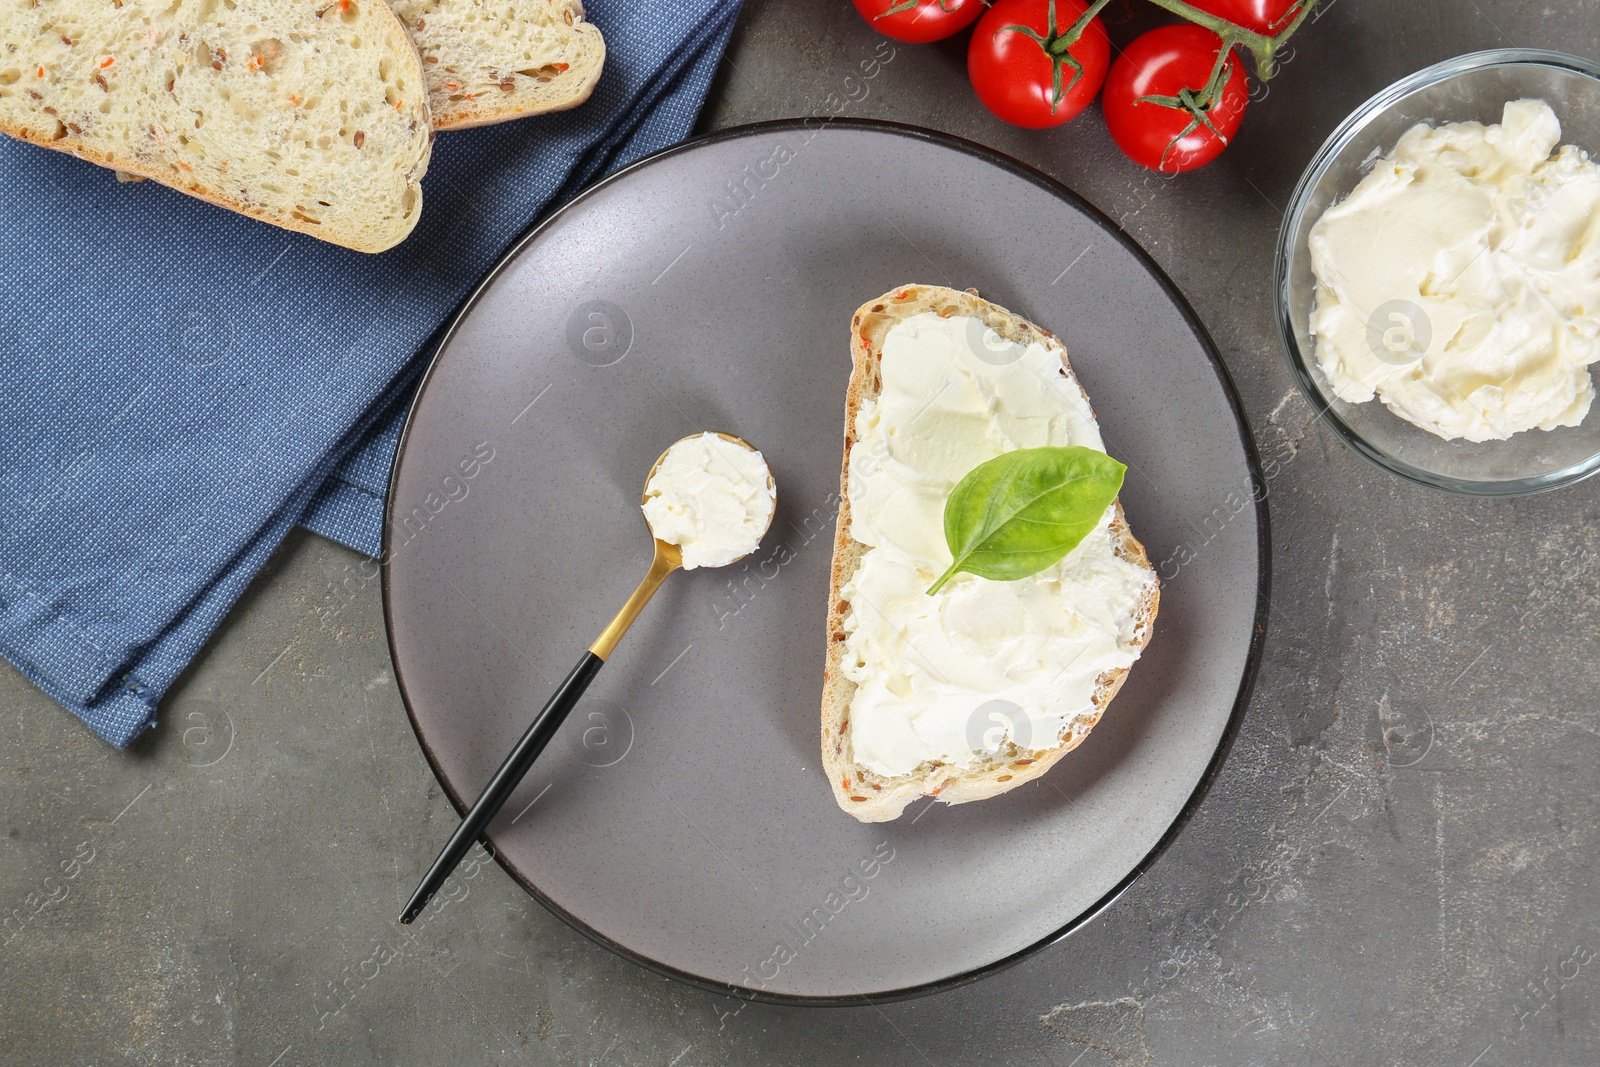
[
  {"x": 308, "y": 114},
  {"x": 489, "y": 61},
  {"x": 868, "y": 796}
]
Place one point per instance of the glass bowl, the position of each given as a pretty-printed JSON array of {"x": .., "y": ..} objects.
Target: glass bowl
[{"x": 1476, "y": 87}]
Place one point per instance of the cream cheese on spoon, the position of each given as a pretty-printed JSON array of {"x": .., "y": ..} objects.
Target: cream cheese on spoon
[
  {"x": 712, "y": 497},
  {"x": 1459, "y": 282}
]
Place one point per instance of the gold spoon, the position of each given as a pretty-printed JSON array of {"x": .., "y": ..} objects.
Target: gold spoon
[{"x": 668, "y": 558}]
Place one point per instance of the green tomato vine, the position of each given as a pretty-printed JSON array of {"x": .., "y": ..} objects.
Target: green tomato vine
[{"x": 1263, "y": 47}]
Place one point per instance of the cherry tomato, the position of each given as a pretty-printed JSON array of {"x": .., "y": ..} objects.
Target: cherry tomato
[
  {"x": 1027, "y": 68},
  {"x": 1263, "y": 16},
  {"x": 919, "y": 21},
  {"x": 1155, "y": 99}
]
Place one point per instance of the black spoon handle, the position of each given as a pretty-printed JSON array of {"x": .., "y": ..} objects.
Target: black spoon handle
[{"x": 505, "y": 781}]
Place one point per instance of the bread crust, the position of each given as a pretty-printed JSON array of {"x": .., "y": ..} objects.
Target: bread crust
[
  {"x": 865, "y": 795},
  {"x": 130, "y": 167}
]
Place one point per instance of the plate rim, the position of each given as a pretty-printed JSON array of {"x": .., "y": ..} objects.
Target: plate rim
[{"x": 1247, "y": 678}]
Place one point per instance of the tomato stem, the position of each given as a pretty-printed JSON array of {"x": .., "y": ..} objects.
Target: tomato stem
[
  {"x": 907, "y": 5},
  {"x": 1263, "y": 47},
  {"x": 1076, "y": 31},
  {"x": 1197, "y": 103},
  {"x": 1057, "y": 46}
]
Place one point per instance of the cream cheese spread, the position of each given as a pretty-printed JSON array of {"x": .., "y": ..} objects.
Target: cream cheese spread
[
  {"x": 952, "y": 676},
  {"x": 711, "y": 497},
  {"x": 1459, "y": 282}
]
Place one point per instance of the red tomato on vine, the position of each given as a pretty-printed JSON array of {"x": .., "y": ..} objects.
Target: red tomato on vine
[
  {"x": 1038, "y": 63},
  {"x": 919, "y": 21},
  {"x": 1265, "y": 17},
  {"x": 1170, "y": 104}
]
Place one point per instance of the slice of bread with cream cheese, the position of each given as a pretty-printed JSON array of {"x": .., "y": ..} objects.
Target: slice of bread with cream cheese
[{"x": 984, "y": 686}]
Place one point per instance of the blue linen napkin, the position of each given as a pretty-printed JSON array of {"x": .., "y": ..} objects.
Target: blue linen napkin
[{"x": 185, "y": 385}]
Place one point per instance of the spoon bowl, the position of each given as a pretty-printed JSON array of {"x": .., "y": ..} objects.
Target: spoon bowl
[{"x": 668, "y": 556}]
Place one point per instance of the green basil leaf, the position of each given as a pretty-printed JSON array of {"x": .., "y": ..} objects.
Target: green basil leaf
[{"x": 1023, "y": 511}]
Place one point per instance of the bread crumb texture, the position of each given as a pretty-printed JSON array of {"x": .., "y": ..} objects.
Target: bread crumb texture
[
  {"x": 308, "y": 115},
  {"x": 491, "y": 60}
]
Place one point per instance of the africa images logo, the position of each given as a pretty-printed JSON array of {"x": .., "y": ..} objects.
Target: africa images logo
[
  {"x": 989, "y": 346},
  {"x": 796, "y": 933},
  {"x": 1399, "y": 333},
  {"x": 599, "y": 333},
  {"x": 602, "y": 733},
  {"x": 995, "y": 722}
]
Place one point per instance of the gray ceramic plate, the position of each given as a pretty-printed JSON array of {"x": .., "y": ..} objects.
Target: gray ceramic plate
[{"x": 682, "y": 817}]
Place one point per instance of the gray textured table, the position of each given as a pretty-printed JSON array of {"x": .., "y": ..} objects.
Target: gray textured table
[{"x": 1394, "y": 866}]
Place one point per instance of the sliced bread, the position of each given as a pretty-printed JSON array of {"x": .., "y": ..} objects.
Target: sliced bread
[
  {"x": 873, "y": 797},
  {"x": 312, "y": 116},
  {"x": 489, "y": 60}
]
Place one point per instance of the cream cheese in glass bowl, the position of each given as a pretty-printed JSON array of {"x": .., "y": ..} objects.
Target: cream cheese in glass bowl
[{"x": 1438, "y": 269}]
